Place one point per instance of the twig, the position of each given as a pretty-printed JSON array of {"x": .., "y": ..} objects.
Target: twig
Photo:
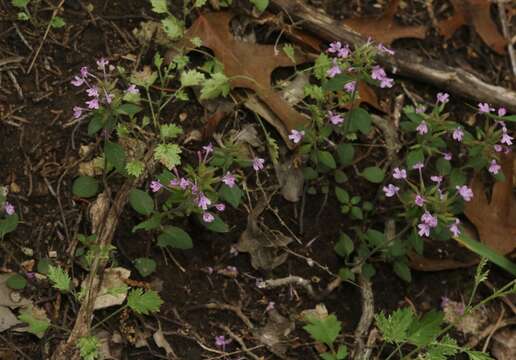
[
  {"x": 505, "y": 30},
  {"x": 367, "y": 316},
  {"x": 228, "y": 307},
  {"x": 240, "y": 341},
  {"x": 289, "y": 280}
]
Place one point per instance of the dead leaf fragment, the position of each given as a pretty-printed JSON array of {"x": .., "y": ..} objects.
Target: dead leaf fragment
[
  {"x": 274, "y": 334},
  {"x": 9, "y": 297},
  {"x": 7, "y": 319},
  {"x": 161, "y": 342},
  {"x": 477, "y": 14},
  {"x": 113, "y": 289}
]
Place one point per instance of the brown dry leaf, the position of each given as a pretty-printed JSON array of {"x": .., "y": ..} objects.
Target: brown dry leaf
[
  {"x": 495, "y": 220},
  {"x": 477, "y": 14},
  {"x": 385, "y": 29},
  {"x": 248, "y": 65}
]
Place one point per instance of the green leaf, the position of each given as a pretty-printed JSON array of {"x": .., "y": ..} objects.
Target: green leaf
[
  {"x": 216, "y": 225},
  {"x": 150, "y": 224},
  {"x": 95, "y": 125},
  {"x": 115, "y": 154},
  {"x": 175, "y": 237},
  {"x": 324, "y": 330},
  {"x": 288, "y": 49},
  {"x": 346, "y": 274},
  {"x": 346, "y": 154},
  {"x": 414, "y": 157},
  {"x": 425, "y": 330},
  {"x": 261, "y": 5},
  {"x": 20, "y": 3},
  {"x": 344, "y": 246},
  {"x": 359, "y": 119},
  {"x": 394, "y": 328},
  {"x": 478, "y": 355},
  {"x": 60, "y": 278},
  {"x": 200, "y": 3},
  {"x": 368, "y": 270},
  {"x": 170, "y": 131},
  {"x": 16, "y": 282},
  {"x": 141, "y": 202},
  {"x": 314, "y": 91},
  {"x": 321, "y": 66},
  {"x": 326, "y": 158},
  {"x": 402, "y": 270},
  {"x": 128, "y": 109},
  {"x": 217, "y": 85},
  {"x": 36, "y": 319},
  {"x": 336, "y": 83},
  {"x": 168, "y": 155},
  {"x": 89, "y": 347},
  {"x": 191, "y": 78},
  {"x": 342, "y": 352},
  {"x": 8, "y": 224},
  {"x": 340, "y": 176},
  {"x": 144, "y": 302},
  {"x": 57, "y": 22},
  {"x": 43, "y": 266},
  {"x": 443, "y": 166},
  {"x": 159, "y": 6},
  {"x": 173, "y": 27},
  {"x": 145, "y": 266},
  {"x": 309, "y": 173},
  {"x": 375, "y": 238},
  {"x": 22, "y": 16},
  {"x": 85, "y": 186},
  {"x": 342, "y": 195},
  {"x": 457, "y": 177},
  {"x": 373, "y": 174},
  {"x": 232, "y": 195},
  {"x": 135, "y": 168},
  {"x": 356, "y": 213},
  {"x": 442, "y": 350}
]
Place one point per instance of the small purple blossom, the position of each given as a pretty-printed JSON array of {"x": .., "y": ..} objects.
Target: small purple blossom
[
  {"x": 109, "y": 98},
  {"x": 208, "y": 149},
  {"x": 502, "y": 111},
  {"x": 420, "y": 109},
  {"x": 458, "y": 134},
  {"x": 447, "y": 156},
  {"x": 220, "y": 207},
  {"x": 208, "y": 217},
  {"x": 506, "y": 139},
  {"x": 454, "y": 228},
  {"x": 93, "y": 91},
  {"x": 77, "y": 111},
  {"x": 229, "y": 179},
  {"x": 334, "y": 70},
  {"x": 221, "y": 342},
  {"x": 378, "y": 73},
  {"x": 424, "y": 230},
  {"x": 132, "y": 89},
  {"x": 445, "y": 301},
  {"x": 418, "y": 166},
  {"x": 465, "y": 192},
  {"x": 258, "y": 164},
  {"x": 399, "y": 173},
  {"x": 203, "y": 201},
  {"x": 429, "y": 219},
  {"x": 9, "y": 208},
  {"x": 184, "y": 183},
  {"x": 84, "y": 72},
  {"x": 390, "y": 190},
  {"x": 386, "y": 83},
  {"x": 437, "y": 179},
  {"x": 93, "y": 103},
  {"x": 296, "y": 136},
  {"x": 335, "y": 118},
  {"x": 419, "y": 200},
  {"x": 335, "y": 47},
  {"x": 101, "y": 64},
  {"x": 381, "y": 48},
  {"x": 155, "y": 186},
  {"x": 422, "y": 128},
  {"x": 498, "y": 148},
  {"x": 344, "y": 52},
  {"x": 77, "y": 81},
  {"x": 443, "y": 97},
  {"x": 484, "y": 108},
  {"x": 494, "y": 167},
  {"x": 350, "y": 86}
]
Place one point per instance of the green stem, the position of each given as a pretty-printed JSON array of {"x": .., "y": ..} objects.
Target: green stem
[{"x": 108, "y": 317}]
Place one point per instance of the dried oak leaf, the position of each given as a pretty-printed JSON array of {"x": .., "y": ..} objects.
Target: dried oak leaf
[
  {"x": 385, "y": 29},
  {"x": 477, "y": 14},
  {"x": 249, "y": 65},
  {"x": 495, "y": 220}
]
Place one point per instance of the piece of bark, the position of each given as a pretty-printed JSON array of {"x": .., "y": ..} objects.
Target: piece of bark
[{"x": 403, "y": 62}]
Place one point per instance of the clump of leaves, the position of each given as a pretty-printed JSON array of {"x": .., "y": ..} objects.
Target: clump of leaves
[{"x": 326, "y": 331}]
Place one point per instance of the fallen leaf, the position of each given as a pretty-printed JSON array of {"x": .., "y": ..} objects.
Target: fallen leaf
[
  {"x": 161, "y": 342},
  {"x": 9, "y": 297},
  {"x": 495, "y": 219},
  {"x": 477, "y": 14},
  {"x": 385, "y": 29},
  {"x": 274, "y": 334},
  {"x": 248, "y": 65},
  {"x": 113, "y": 290},
  {"x": 291, "y": 180},
  {"x": 7, "y": 319}
]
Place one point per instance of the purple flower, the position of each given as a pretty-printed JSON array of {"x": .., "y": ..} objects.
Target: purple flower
[
  {"x": 296, "y": 136},
  {"x": 229, "y": 179},
  {"x": 93, "y": 103},
  {"x": 381, "y": 48},
  {"x": 155, "y": 186},
  {"x": 335, "y": 118},
  {"x": 437, "y": 179},
  {"x": 445, "y": 301},
  {"x": 443, "y": 97},
  {"x": 429, "y": 219},
  {"x": 93, "y": 91},
  {"x": 458, "y": 134},
  {"x": 258, "y": 164},
  {"x": 454, "y": 228},
  {"x": 84, "y": 72},
  {"x": 378, "y": 73},
  {"x": 184, "y": 183},
  {"x": 9, "y": 208},
  {"x": 350, "y": 86},
  {"x": 506, "y": 139},
  {"x": 203, "y": 201},
  {"x": 420, "y": 109},
  {"x": 334, "y": 70},
  {"x": 498, "y": 148},
  {"x": 77, "y": 111},
  {"x": 132, "y": 89},
  {"x": 465, "y": 192},
  {"x": 77, "y": 81},
  {"x": 399, "y": 173},
  {"x": 419, "y": 200},
  {"x": 386, "y": 83},
  {"x": 220, "y": 207},
  {"x": 447, "y": 156},
  {"x": 418, "y": 166},
  {"x": 502, "y": 111},
  {"x": 109, "y": 98},
  {"x": 208, "y": 217},
  {"x": 344, "y": 52},
  {"x": 494, "y": 167},
  {"x": 101, "y": 64},
  {"x": 208, "y": 149},
  {"x": 484, "y": 108},
  {"x": 422, "y": 128},
  {"x": 390, "y": 190},
  {"x": 270, "y": 306},
  {"x": 335, "y": 47},
  {"x": 424, "y": 230}
]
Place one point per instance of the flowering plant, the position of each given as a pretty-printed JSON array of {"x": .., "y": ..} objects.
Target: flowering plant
[{"x": 8, "y": 216}]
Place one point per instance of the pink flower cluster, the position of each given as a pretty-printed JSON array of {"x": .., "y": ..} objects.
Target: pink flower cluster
[
  {"x": 9, "y": 208},
  {"x": 378, "y": 73}
]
